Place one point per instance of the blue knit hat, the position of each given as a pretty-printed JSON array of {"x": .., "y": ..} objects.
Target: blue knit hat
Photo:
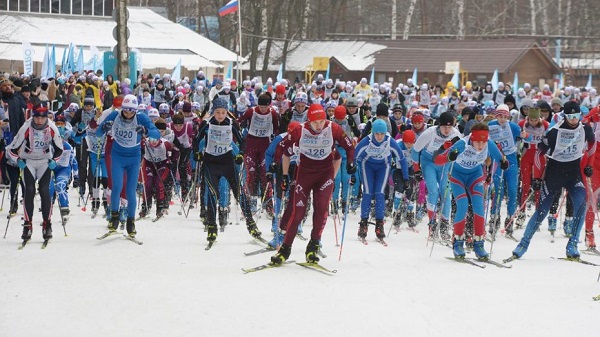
[
  {"x": 220, "y": 103},
  {"x": 379, "y": 126}
]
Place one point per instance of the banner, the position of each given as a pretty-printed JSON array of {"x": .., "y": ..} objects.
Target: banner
[
  {"x": 176, "y": 74},
  {"x": 28, "y": 53}
]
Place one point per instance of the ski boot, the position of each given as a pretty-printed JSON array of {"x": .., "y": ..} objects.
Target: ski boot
[
  {"x": 282, "y": 255},
  {"x": 389, "y": 207},
  {"x": 27, "y": 229},
  {"x": 277, "y": 239},
  {"x": 568, "y": 226},
  {"x": 203, "y": 214},
  {"x": 520, "y": 220},
  {"x": 444, "y": 224},
  {"x": 508, "y": 228},
  {"x": 212, "y": 232},
  {"x": 311, "y": 251},
  {"x": 354, "y": 204},
  {"x": 458, "y": 246},
  {"x": 223, "y": 212},
  {"x": 105, "y": 206},
  {"x": 410, "y": 219},
  {"x": 335, "y": 206},
  {"x": 144, "y": 212},
  {"x": 95, "y": 206},
  {"x": 253, "y": 204},
  {"x": 343, "y": 206},
  {"x": 479, "y": 250},
  {"x": 521, "y": 249},
  {"x": 420, "y": 212},
  {"x": 363, "y": 228},
  {"x": 379, "y": 230},
  {"x": 398, "y": 220},
  {"x": 589, "y": 239},
  {"x": 552, "y": 224},
  {"x": 47, "y": 230},
  {"x": 494, "y": 224},
  {"x": 572, "y": 251},
  {"x": 130, "y": 227},
  {"x": 252, "y": 229},
  {"x": 123, "y": 215},
  {"x": 432, "y": 229},
  {"x": 114, "y": 221},
  {"x": 64, "y": 213}
]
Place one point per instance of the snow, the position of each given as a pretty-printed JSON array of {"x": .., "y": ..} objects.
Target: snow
[{"x": 171, "y": 286}]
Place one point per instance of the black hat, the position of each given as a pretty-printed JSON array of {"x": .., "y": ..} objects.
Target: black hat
[
  {"x": 510, "y": 98},
  {"x": 382, "y": 110},
  {"x": 25, "y": 88},
  {"x": 571, "y": 107},
  {"x": 264, "y": 99},
  {"x": 466, "y": 111},
  {"x": 398, "y": 107},
  {"x": 446, "y": 118}
]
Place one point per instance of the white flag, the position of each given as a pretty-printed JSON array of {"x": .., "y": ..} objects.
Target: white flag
[{"x": 28, "y": 53}]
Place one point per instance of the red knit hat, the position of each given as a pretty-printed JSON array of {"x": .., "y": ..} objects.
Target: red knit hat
[
  {"x": 280, "y": 89},
  {"x": 409, "y": 136},
  {"x": 292, "y": 126},
  {"x": 315, "y": 112},
  {"x": 340, "y": 112}
]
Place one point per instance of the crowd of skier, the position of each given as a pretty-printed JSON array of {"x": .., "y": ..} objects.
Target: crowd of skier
[{"x": 451, "y": 156}]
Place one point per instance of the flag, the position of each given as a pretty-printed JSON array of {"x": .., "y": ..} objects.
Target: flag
[
  {"x": 561, "y": 81},
  {"x": 279, "y": 77},
  {"x": 52, "y": 71},
  {"x": 95, "y": 58},
  {"x": 372, "y": 79},
  {"x": 80, "y": 66},
  {"x": 454, "y": 79},
  {"x": 495, "y": 80},
  {"x": 28, "y": 53},
  {"x": 414, "y": 77},
  {"x": 70, "y": 60},
  {"x": 230, "y": 71},
  {"x": 515, "y": 84},
  {"x": 229, "y": 8},
  {"x": 45, "y": 63},
  {"x": 63, "y": 64},
  {"x": 326, "y": 73},
  {"x": 176, "y": 74},
  {"x": 588, "y": 86}
]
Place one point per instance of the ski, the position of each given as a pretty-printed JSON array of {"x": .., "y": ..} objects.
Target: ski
[
  {"x": 596, "y": 298},
  {"x": 133, "y": 239},
  {"x": 591, "y": 251},
  {"x": 261, "y": 239},
  {"x": 110, "y": 233},
  {"x": 512, "y": 258},
  {"x": 317, "y": 267},
  {"x": 265, "y": 266},
  {"x": 382, "y": 242},
  {"x": 94, "y": 215},
  {"x": 23, "y": 244},
  {"x": 260, "y": 251},
  {"x": 364, "y": 241},
  {"x": 157, "y": 218},
  {"x": 492, "y": 262},
  {"x": 210, "y": 244},
  {"x": 411, "y": 229},
  {"x": 577, "y": 260},
  {"x": 301, "y": 237},
  {"x": 510, "y": 236},
  {"x": 466, "y": 261},
  {"x": 45, "y": 244}
]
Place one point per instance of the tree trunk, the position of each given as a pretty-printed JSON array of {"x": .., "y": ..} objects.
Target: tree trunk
[
  {"x": 409, "y": 14},
  {"x": 460, "y": 14},
  {"x": 393, "y": 23},
  {"x": 172, "y": 10},
  {"x": 532, "y": 13},
  {"x": 545, "y": 19}
]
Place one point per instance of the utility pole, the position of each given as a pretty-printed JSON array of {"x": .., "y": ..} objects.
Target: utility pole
[{"x": 122, "y": 15}]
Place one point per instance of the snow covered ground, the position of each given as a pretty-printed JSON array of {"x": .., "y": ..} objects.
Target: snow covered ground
[{"x": 171, "y": 286}]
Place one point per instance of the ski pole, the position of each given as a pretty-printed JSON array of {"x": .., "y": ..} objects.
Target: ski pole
[
  {"x": 443, "y": 203},
  {"x": 3, "y": 197},
  {"x": 497, "y": 215},
  {"x": 345, "y": 221},
  {"x": 13, "y": 201}
]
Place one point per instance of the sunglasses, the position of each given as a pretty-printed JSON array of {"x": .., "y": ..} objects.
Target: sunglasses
[{"x": 573, "y": 116}]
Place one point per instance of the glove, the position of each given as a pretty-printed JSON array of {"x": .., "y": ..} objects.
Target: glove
[
  {"x": 107, "y": 126},
  {"x": 453, "y": 155},
  {"x": 22, "y": 164},
  {"x": 588, "y": 171},
  {"x": 52, "y": 164},
  {"x": 350, "y": 168},
  {"x": 285, "y": 182},
  {"x": 140, "y": 129},
  {"x": 419, "y": 176},
  {"x": 75, "y": 181},
  {"x": 504, "y": 164},
  {"x": 269, "y": 175},
  {"x": 273, "y": 167},
  {"x": 455, "y": 139},
  {"x": 198, "y": 156},
  {"x": 239, "y": 159},
  {"x": 352, "y": 180},
  {"x": 536, "y": 184}
]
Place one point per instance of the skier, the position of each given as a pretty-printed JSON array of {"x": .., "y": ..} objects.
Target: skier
[
  {"x": 400, "y": 192},
  {"x": 66, "y": 165},
  {"x": 315, "y": 172},
  {"x": 467, "y": 179},
  {"x": 374, "y": 156},
  {"x": 127, "y": 128},
  {"x": 36, "y": 148},
  {"x": 565, "y": 144}
]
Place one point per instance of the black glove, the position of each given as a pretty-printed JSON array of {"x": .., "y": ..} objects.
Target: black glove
[
  {"x": 239, "y": 159},
  {"x": 352, "y": 179},
  {"x": 269, "y": 175},
  {"x": 536, "y": 184},
  {"x": 504, "y": 164},
  {"x": 588, "y": 171},
  {"x": 455, "y": 139},
  {"x": 419, "y": 175},
  {"x": 198, "y": 156},
  {"x": 453, "y": 155},
  {"x": 107, "y": 126},
  {"x": 285, "y": 182},
  {"x": 75, "y": 182},
  {"x": 273, "y": 167},
  {"x": 140, "y": 129},
  {"x": 350, "y": 168}
]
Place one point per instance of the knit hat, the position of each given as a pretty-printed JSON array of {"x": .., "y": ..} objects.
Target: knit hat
[
  {"x": 556, "y": 100},
  {"x": 292, "y": 126},
  {"x": 187, "y": 107},
  {"x": 25, "y": 88},
  {"x": 382, "y": 110},
  {"x": 160, "y": 124},
  {"x": 315, "y": 112},
  {"x": 379, "y": 126},
  {"x": 352, "y": 101},
  {"x": 502, "y": 109},
  {"x": 409, "y": 137},
  {"x": 264, "y": 99},
  {"x": 280, "y": 89},
  {"x": 510, "y": 98},
  {"x": 398, "y": 107},
  {"x": 219, "y": 103},
  {"x": 88, "y": 100},
  {"x": 178, "y": 119},
  {"x": 40, "y": 111},
  {"x": 534, "y": 113},
  {"x": 526, "y": 103},
  {"x": 466, "y": 111},
  {"x": 446, "y": 118},
  {"x": 340, "y": 112},
  {"x": 571, "y": 107},
  {"x": 153, "y": 113}
]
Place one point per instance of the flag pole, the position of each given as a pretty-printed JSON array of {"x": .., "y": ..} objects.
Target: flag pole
[{"x": 239, "y": 73}]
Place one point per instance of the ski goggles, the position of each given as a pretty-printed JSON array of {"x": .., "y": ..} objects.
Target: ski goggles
[{"x": 573, "y": 116}]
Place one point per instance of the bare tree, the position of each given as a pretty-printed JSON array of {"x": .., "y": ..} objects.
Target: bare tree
[
  {"x": 409, "y": 14},
  {"x": 460, "y": 6},
  {"x": 532, "y": 12}
]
